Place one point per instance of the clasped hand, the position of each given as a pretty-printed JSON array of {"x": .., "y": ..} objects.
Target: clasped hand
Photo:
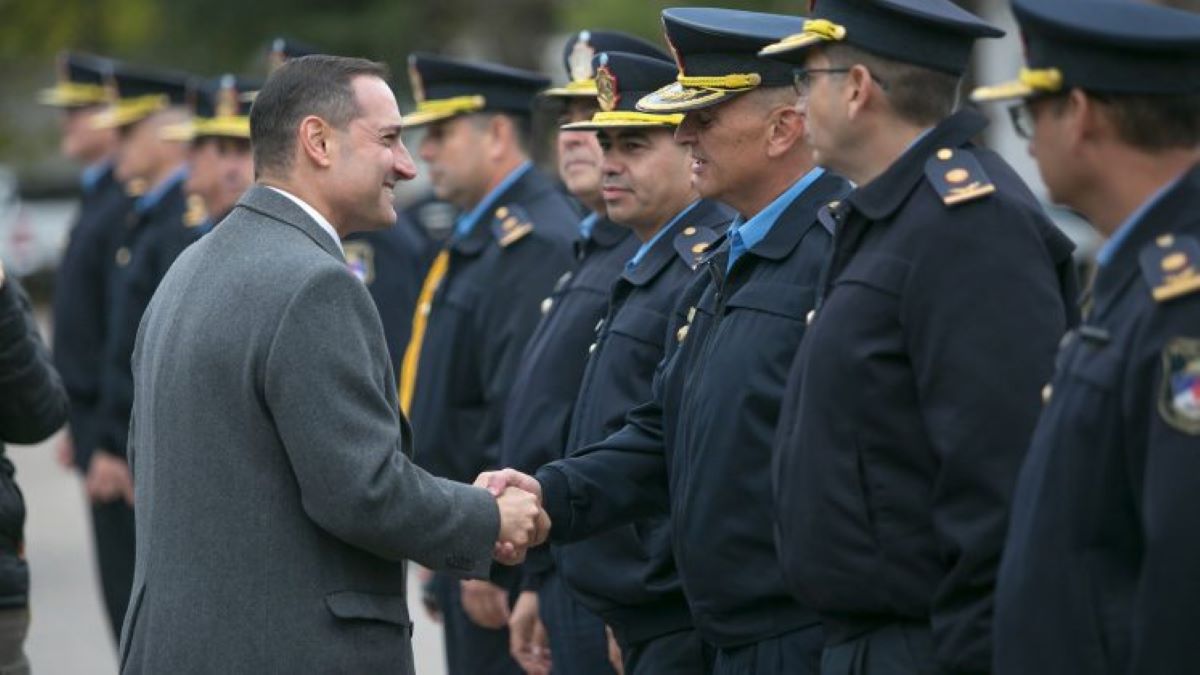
[{"x": 523, "y": 522}]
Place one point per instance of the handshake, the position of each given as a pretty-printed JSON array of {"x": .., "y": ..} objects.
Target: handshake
[{"x": 523, "y": 522}]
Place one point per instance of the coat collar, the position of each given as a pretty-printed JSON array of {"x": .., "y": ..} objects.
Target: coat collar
[
  {"x": 1160, "y": 219},
  {"x": 267, "y": 202},
  {"x": 883, "y": 196},
  {"x": 799, "y": 216},
  {"x": 706, "y": 213},
  {"x": 530, "y": 186}
]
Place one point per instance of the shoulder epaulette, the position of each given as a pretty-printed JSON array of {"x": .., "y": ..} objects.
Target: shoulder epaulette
[
  {"x": 693, "y": 241},
  {"x": 510, "y": 224},
  {"x": 195, "y": 215},
  {"x": 1169, "y": 265},
  {"x": 957, "y": 176}
]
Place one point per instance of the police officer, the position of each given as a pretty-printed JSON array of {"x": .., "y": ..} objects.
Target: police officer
[
  {"x": 917, "y": 386},
  {"x": 80, "y": 297},
  {"x": 480, "y": 300},
  {"x": 702, "y": 445},
  {"x": 544, "y": 390},
  {"x": 157, "y": 230},
  {"x": 220, "y": 163},
  {"x": 628, "y": 575},
  {"x": 1099, "y": 573}
]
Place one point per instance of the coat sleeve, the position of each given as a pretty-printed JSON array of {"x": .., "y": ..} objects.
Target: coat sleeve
[
  {"x": 328, "y": 388},
  {"x": 33, "y": 402},
  {"x": 983, "y": 314},
  {"x": 612, "y": 483},
  {"x": 1165, "y": 611}
]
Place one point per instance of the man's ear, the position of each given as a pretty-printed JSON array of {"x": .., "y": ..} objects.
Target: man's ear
[
  {"x": 498, "y": 136},
  {"x": 785, "y": 129},
  {"x": 315, "y": 139},
  {"x": 860, "y": 91},
  {"x": 1085, "y": 119}
]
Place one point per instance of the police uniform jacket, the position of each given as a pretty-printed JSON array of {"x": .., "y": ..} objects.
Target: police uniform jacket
[
  {"x": 627, "y": 575},
  {"x": 150, "y": 242},
  {"x": 481, "y": 318},
  {"x": 81, "y": 303},
  {"x": 538, "y": 414},
  {"x": 915, "y": 393},
  {"x": 1100, "y": 567},
  {"x": 701, "y": 446}
]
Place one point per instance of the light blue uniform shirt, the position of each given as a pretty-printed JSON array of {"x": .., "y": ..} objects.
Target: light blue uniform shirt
[
  {"x": 466, "y": 224},
  {"x": 92, "y": 174},
  {"x": 587, "y": 225},
  {"x": 743, "y": 236}
]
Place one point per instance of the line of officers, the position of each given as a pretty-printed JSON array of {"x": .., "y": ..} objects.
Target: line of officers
[{"x": 799, "y": 370}]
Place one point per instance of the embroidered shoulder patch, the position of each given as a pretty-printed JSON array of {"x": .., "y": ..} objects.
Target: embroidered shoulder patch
[
  {"x": 957, "y": 176},
  {"x": 1179, "y": 399},
  {"x": 360, "y": 260},
  {"x": 510, "y": 224},
  {"x": 1169, "y": 266}
]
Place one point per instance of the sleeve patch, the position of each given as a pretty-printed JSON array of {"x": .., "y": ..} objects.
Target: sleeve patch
[{"x": 1179, "y": 398}]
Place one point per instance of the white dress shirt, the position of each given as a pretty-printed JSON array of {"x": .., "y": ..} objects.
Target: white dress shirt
[{"x": 315, "y": 215}]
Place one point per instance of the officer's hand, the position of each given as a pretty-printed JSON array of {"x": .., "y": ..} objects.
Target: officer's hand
[
  {"x": 523, "y": 524},
  {"x": 527, "y": 640},
  {"x": 614, "y": 653},
  {"x": 108, "y": 479},
  {"x": 497, "y": 481},
  {"x": 485, "y": 603}
]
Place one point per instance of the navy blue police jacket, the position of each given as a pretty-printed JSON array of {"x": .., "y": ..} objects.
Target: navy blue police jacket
[
  {"x": 914, "y": 395},
  {"x": 481, "y": 318},
  {"x": 392, "y": 264},
  {"x": 627, "y": 575},
  {"x": 147, "y": 246},
  {"x": 81, "y": 304},
  {"x": 700, "y": 447},
  {"x": 538, "y": 414},
  {"x": 1099, "y": 573}
]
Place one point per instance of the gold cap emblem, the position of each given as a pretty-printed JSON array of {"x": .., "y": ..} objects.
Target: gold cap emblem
[
  {"x": 606, "y": 87},
  {"x": 227, "y": 99},
  {"x": 414, "y": 79}
]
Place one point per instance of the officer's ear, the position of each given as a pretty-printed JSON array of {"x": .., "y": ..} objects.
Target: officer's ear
[
  {"x": 785, "y": 125},
  {"x": 861, "y": 91},
  {"x": 501, "y": 136},
  {"x": 315, "y": 138}
]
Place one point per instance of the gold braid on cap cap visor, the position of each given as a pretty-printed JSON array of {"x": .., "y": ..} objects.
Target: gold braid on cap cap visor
[
  {"x": 575, "y": 88},
  {"x": 1028, "y": 83},
  {"x": 628, "y": 118},
  {"x": 70, "y": 94},
  {"x": 734, "y": 82},
  {"x": 229, "y": 126},
  {"x": 452, "y": 106},
  {"x": 126, "y": 111},
  {"x": 815, "y": 30}
]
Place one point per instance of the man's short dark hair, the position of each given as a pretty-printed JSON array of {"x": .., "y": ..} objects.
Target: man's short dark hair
[
  {"x": 522, "y": 126},
  {"x": 310, "y": 85},
  {"x": 1154, "y": 123},
  {"x": 918, "y": 95}
]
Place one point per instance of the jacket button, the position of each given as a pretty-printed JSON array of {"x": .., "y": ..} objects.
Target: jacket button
[
  {"x": 123, "y": 256},
  {"x": 599, "y": 325},
  {"x": 681, "y": 333},
  {"x": 426, "y": 308},
  {"x": 808, "y": 318},
  {"x": 1047, "y": 392},
  {"x": 592, "y": 348},
  {"x": 546, "y": 305}
]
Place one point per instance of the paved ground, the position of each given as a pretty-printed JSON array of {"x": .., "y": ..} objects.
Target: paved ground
[{"x": 69, "y": 635}]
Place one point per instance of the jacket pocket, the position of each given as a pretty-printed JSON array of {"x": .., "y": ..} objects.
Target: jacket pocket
[
  {"x": 354, "y": 605},
  {"x": 642, "y": 325},
  {"x": 787, "y": 300}
]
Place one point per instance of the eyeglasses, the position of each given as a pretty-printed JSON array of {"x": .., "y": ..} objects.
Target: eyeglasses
[
  {"x": 802, "y": 78},
  {"x": 1022, "y": 119}
]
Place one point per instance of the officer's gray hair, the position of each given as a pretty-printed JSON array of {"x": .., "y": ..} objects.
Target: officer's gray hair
[{"x": 317, "y": 85}]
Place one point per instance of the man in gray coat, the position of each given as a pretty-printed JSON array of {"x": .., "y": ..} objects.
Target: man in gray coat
[{"x": 275, "y": 497}]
